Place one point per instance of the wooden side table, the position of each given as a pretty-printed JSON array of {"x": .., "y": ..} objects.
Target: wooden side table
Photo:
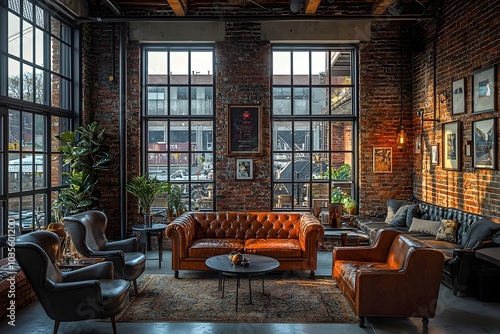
[{"x": 159, "y": 229}]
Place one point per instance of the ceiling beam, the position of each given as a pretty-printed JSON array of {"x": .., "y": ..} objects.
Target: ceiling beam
[
  {"x": 179, "y": 7},
  {"x": 311, "y": 6},
  {"x": 379, "y": 6}
]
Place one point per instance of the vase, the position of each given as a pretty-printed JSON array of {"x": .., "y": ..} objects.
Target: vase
[
  {"x": 336, "y": 214},
  {"x": 148, "y": 220}
]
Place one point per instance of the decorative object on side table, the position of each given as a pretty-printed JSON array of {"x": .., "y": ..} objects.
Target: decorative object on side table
[
  {"x": 238, "y": 259},
  {"x": 146, "y": 189}
]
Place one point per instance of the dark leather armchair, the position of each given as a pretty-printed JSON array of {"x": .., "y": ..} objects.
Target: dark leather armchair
[
  {"x": 87, "y": 293},
  {"x": 87, "y": 229}
]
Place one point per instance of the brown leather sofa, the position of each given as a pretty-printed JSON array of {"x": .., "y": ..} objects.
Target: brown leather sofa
[
  {"x": 396, "y": 276},
  {"x": 289, "y": 237}
]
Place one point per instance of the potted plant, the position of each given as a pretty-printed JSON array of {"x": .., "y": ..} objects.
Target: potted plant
[
  {"x": 350, "y": 205},
  {"x": 336, "y": 206},
  {"x": 145, "y": 189},
  {"x": 84, "y": 151},
  {"x": 174, "y": 200}
]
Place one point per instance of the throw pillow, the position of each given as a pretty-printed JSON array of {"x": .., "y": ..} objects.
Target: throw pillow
[
  {"x": 393, "y": 206},
  {"x": 413, "y": 212},
  {"x": 448, "y": 230},
  {"x": 424, "y": 226},
  {"x": 478, "y": 231},
  {"x": 399, "y": 218}
]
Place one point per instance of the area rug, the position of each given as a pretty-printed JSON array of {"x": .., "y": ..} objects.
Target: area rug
[{"x": 285, "y": 300}]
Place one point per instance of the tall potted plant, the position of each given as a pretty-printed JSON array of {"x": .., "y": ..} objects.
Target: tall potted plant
[
  {"x": 174, "y": 200},
  {"x": 145, "y": 189},
  {"x": 86, "y": 154}
]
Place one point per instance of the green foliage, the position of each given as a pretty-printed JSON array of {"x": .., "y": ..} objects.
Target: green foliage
[
  {"x": 145, "y": 189},
  {"x": 174, "y": 197},
  {"x": 85, "y": 153},
  {"x": 341, "y": 173},
  {"x": 349, "y": 203},
  {"x": 337, "y": 195}
]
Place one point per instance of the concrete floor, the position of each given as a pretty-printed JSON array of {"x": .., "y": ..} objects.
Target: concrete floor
[{"x": 455, "y": 315}]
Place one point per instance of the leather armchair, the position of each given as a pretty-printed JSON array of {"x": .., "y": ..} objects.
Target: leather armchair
[
  {"x": 87, "y": 293},
  {"x": 87, "y": 232}
]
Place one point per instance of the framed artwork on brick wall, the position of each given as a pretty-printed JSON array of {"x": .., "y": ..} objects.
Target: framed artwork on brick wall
[
  {"x": 244, "y": 169},
  {"x": 382, "y": 159},
  {"x": 451, "y": 138},
  {"x": 244, "y": 129},
  {"x": 458, "y": 96},
  {"x": 435, "y": 154},
  {"x": 484, "y": 90},
  {"x": 484, "y": 143},
  {"x": 418, "y": 144}
]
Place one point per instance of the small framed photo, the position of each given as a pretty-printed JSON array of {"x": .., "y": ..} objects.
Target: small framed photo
[
  {"x": 458, "y": 96},
  {"x": 483, "y": 90},
  {"x": 435, "y": 154},
  {"x": 451, "y": 145},
  {"x": 418, "y": 144},
  {"x": 382, "y": 159},
  {"x": 484, "y": 147},
  {"x": 468, "y": 149},
  {"x": 244, "y": 169}
]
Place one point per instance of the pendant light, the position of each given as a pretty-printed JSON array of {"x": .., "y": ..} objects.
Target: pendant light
[{"x": 401, "y": 134}]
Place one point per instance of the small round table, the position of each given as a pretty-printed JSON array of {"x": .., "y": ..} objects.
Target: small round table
[
  {"x": 154, "y": 228},
  {"x": 259, "y": 265}
]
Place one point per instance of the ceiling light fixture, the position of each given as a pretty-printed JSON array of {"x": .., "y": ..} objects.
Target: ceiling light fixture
[{"x": 295, "y": 6}]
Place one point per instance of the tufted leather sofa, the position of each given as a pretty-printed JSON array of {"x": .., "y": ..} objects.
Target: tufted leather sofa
[
  {"x": 289, "y": 237},
  {"x": 396, "y": 276}
]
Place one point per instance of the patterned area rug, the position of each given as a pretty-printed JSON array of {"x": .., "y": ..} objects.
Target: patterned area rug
[{"x": 285, "y": 300}]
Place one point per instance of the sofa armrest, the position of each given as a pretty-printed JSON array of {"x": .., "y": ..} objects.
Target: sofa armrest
[
  {"x": 460, "y": 269},
  {"x": 181, "y": 231},
  {"x": 310, "y": 231}
]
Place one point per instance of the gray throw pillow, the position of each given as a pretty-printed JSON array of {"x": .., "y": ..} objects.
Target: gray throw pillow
[
  {"x": 478, "y": 231},
  {"x": 393, "y": 206},
  {"x": 413, "y": 212},
  {"x": 399, "y": 219},
  {"x": 424, "y": 226}
]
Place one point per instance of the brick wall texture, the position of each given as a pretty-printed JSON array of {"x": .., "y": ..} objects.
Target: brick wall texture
[{"x": 464, "y": 40}]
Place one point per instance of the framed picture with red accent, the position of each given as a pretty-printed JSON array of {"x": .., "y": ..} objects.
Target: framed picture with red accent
[{"x": 244, "y": 129}]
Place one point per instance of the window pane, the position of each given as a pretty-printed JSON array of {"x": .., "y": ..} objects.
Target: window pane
[
  {"x": 28, "y": 83},
  {"x": 341, "y": 136},
  {"x": 341, "y": 68},
  {"x": 15, "y": 139},
  {"x": 38, "y": 171},
  {"x": 55, "y": 55},
  {"x": 203, "y": 140},
  {"x": 320, "y": 137},
  {"x": 65, "y": 33},
  {"x": 341, "y": 166},
  {"x": 55, "y": 90},
  {"x": 282, "y": 68},
  {"x": 14, "y": 33},
  {"x": 179, "y": 103},
  {"x": 39, "y": 50},
  {"x": 157, "y": 101},
  {"x": 39, "y": 21},
  {"x": 55, "y": 27},
  {"x": 27, "y": 41},
  {"x": 40, "y": 215},
  {"x": 282, "y": 136},
  {"x": 27, "y": 131},
  {"x": 201, "y": 68},
  {"x": 14, "y": 172},
  {"x": 301, "y": 68},
  {"x": 319, "y": 63},
  {"x": 157, "y": 67},
  {"x": 15, "y": 213},
  {"x": 40, "y": 133},
  {"x": 320, "y": 101},
  {"x": 179, "y": 68},
  {"x": 39, "y": 86},
  {"x": 301, "y": 136},
  {"x": 282, "y": 104},
  {"x": 157, "y": 134},
  {"x": 14, "y": 79},
  {"x": 28, "y": 10},
  {"x": 341, "y": 101},
  {"x": 301, "y": 101},
  {"x": 301, "y": 166},
  {"x": 202, "y": 100}
]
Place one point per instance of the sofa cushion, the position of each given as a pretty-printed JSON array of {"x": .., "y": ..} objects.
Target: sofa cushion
[
  {"x": 399, "y": 219},
  {"x": 413, "y": 212},
  {"x": 424, "y": 226},
  {"x": 214, "y": 246},
  {"x": 479, "y": 230},
  {"x": 273, "y": 247},
  {"x": 393, "y": 206},
  {"x": 447, "y": 231}
]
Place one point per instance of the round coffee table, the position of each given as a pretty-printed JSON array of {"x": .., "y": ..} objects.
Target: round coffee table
[
  {"x": 259, "y": 265},
  {"x": 159, "y": 229}
]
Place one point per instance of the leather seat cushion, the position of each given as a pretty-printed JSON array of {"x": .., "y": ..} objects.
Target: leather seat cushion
[
  {"x": 135, "y": 264},
  {"x": 114, "y": 293},
  {"x": 214, "y": 246},
  {"x": 273, "y": 247}
]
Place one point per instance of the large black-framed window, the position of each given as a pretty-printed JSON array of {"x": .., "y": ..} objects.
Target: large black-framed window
[
  {"x": 178, "y": 120},
  {"x": 39, "y": 64},
  {"x": 314, "y": 124}
]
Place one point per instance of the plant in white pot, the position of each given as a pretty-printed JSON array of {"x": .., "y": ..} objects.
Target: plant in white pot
[{"x": 146, "y": 189}]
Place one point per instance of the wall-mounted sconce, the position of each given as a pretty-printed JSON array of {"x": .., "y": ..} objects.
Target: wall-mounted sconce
[
  {"x": 420, "y": 113},
  {"x": 401, "y": 140},
  {"x": 443, "y": 96}
]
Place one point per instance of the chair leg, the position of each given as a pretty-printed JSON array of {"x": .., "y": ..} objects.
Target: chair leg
[
  {"x": 425, "y": 324},
  {"x": 361, "y": 321},
  {"x": 135, "y": 287},
  {"x": 56, "y": 326},
  {"x": 113, "y": 323}
]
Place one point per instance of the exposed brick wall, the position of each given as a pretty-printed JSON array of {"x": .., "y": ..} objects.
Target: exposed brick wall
[
  {"x": 467, "y": 40},
  {"x": 380, "y": 113}
]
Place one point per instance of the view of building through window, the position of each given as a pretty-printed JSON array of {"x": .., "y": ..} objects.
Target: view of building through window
[{"x": 313, "y": 125}]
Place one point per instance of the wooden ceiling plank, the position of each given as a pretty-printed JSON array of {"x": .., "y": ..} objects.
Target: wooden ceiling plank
[
  {"x": 311, "y": 6},
  {"x": 179, "y": 7},
  {"x": 379, "y": 6}
]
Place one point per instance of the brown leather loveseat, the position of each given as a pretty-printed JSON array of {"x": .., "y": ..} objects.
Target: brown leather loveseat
[
  {"x": 290, "y": 237},
  {"x": 397, "y": 276}
]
